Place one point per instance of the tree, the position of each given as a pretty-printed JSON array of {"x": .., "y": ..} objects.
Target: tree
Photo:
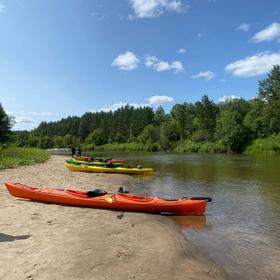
[
  {"x": 6, "y": 123},
  {"x": 58, "y": 141},
  {"x": 269, "y": 93},
  {"x": 159, "y": 116},
  {"x": 168, "y": 134},
  {"x": 231, "y": 131},
  {"x": 254, "y": 119},
  {"x": 97, "y": 137},
  {"x": 206, "y": 112},
  {"x": 178, "y": 113},
  {"x": 148, "y": 134}
]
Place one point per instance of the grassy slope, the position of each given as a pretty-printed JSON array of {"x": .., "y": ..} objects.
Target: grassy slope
[{"x": 12, "y": 157}]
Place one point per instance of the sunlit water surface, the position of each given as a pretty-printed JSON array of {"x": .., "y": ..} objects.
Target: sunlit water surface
[{"x": 241, "y": 230}]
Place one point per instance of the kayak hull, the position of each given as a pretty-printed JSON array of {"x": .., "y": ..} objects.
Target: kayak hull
[
  {"x": 99, "y": 159},
  {"x": 123, "y": 202},
  {"x": 92, "y": 163},
  {"x": 118, "y": 170}
]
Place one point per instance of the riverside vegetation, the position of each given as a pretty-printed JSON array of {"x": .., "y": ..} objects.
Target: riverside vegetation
[
  {"x": 235, "y": 125},
  {"x": 12, "y": 157}
]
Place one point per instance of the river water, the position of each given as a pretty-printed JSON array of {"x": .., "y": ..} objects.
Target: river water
[{"x": 241, "y": 229}]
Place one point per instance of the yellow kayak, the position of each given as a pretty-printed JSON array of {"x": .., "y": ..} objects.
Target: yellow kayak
[{"x": 101, "y": 169}]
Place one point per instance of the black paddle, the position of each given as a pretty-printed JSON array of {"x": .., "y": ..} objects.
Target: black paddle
[{"x": 207, "y": 198}]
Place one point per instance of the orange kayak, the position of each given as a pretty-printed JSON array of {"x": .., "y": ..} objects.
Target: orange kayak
[{"x": 118, "y": 201}]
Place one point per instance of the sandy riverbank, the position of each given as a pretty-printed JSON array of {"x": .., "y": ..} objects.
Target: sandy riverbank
[{"x": 40, "y": 241}]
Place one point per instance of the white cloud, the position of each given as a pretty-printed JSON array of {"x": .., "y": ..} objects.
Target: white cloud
[
  {"x": 244, "y": 27},
  {"x": 257, "y": 64},
  {"x": 154, "y": 8},
  {"x": 118, "y": 105},
  {"x": 98, "y": 16},
  {"x": 2, "y": 8},
  {"x": 207, "y": 75},
  {"x": 42, "y": 114},
  {"x": 182, "y": 51},
  {"x": 29, "y": 120},
  {"x": 153, "y": 100},
  {"x": 160, "y": 100},
  {"x": 270, "y": 33},
  {"x": 34, "y": 114},
  {"x": 159, "y": 66},
  {"x": 228, "y": 98},
  {"x": 127, "y": 61},
  {"x": 24, "y": 119},
  {"x": 11, "y": 99}
]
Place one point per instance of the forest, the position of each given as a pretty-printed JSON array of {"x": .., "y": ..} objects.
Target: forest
[{"x": 236, "y": 125}]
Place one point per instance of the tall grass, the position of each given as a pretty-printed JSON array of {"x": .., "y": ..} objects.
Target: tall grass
[
  {"x": 130, "y": 147},
  {"x": 12, "y": 157},
  {"x": 189, "y": 146},
  {"x": 265, "y": 146}
]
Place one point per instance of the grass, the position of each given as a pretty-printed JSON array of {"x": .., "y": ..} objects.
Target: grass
[
  {"x": 265, "y": 146},
  {"x": 12, "y": 157},
  {"x": 129, "y": 147},
  {"x": 193, "y": 147}
]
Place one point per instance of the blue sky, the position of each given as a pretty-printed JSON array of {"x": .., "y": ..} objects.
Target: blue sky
[{"x": 67, "y": 57}]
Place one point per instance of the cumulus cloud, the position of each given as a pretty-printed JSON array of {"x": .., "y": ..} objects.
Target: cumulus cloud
[
  {"x": 228, "y": 98},
  {"x": 42, "y": 114},
  {"x": 182, "y": 51},
  {"x": 159, "y": 65},
  {"x": 151, "y": 101},
  {"x": 24, "y": 119},
  {"x": 270, "y": 33},
  {"x": 244, "y": 27},
  {"x": 257, "y": 64},
  {"x": 154, "y": 8},
  {"x": 29, "y": 120},
  {"x": 118, "y": 105},
  {"x": 207, "y": 75},
  {"x": 2, "y": 8},
  {"x": 160, "y": 100},
  {"x": 127, "y": 61}
]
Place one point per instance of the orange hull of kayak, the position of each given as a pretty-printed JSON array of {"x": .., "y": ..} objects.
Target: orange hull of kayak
[{"x": 119, "y": 201}]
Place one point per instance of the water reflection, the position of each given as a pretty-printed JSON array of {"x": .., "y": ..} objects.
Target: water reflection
[
  {"x": 190, "y": 222},
  {"x": 245, "y": 212}
]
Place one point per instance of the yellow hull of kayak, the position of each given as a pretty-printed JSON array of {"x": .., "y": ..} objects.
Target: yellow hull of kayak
[{"x": 101, "y": 169}]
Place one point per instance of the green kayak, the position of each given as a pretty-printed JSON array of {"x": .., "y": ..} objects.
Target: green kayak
[{"x": 93, "y": 163}]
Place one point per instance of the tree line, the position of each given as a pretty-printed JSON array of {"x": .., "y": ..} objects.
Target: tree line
[{"x": 229, "y": 126}]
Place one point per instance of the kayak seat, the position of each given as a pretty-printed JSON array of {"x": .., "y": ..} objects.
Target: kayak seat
[{"x": 96, "y": 192}]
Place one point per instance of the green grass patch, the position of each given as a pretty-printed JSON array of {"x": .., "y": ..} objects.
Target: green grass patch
[{"x": 12, "y": 157}]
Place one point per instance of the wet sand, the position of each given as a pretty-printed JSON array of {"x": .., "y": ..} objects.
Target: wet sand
[{"x": 46, "y": 241}]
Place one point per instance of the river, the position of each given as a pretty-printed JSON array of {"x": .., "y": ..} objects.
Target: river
[{"x": 241, "y": 228}]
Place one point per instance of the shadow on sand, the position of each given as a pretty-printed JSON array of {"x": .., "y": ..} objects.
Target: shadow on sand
[{"x": 9, "y": 238}]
